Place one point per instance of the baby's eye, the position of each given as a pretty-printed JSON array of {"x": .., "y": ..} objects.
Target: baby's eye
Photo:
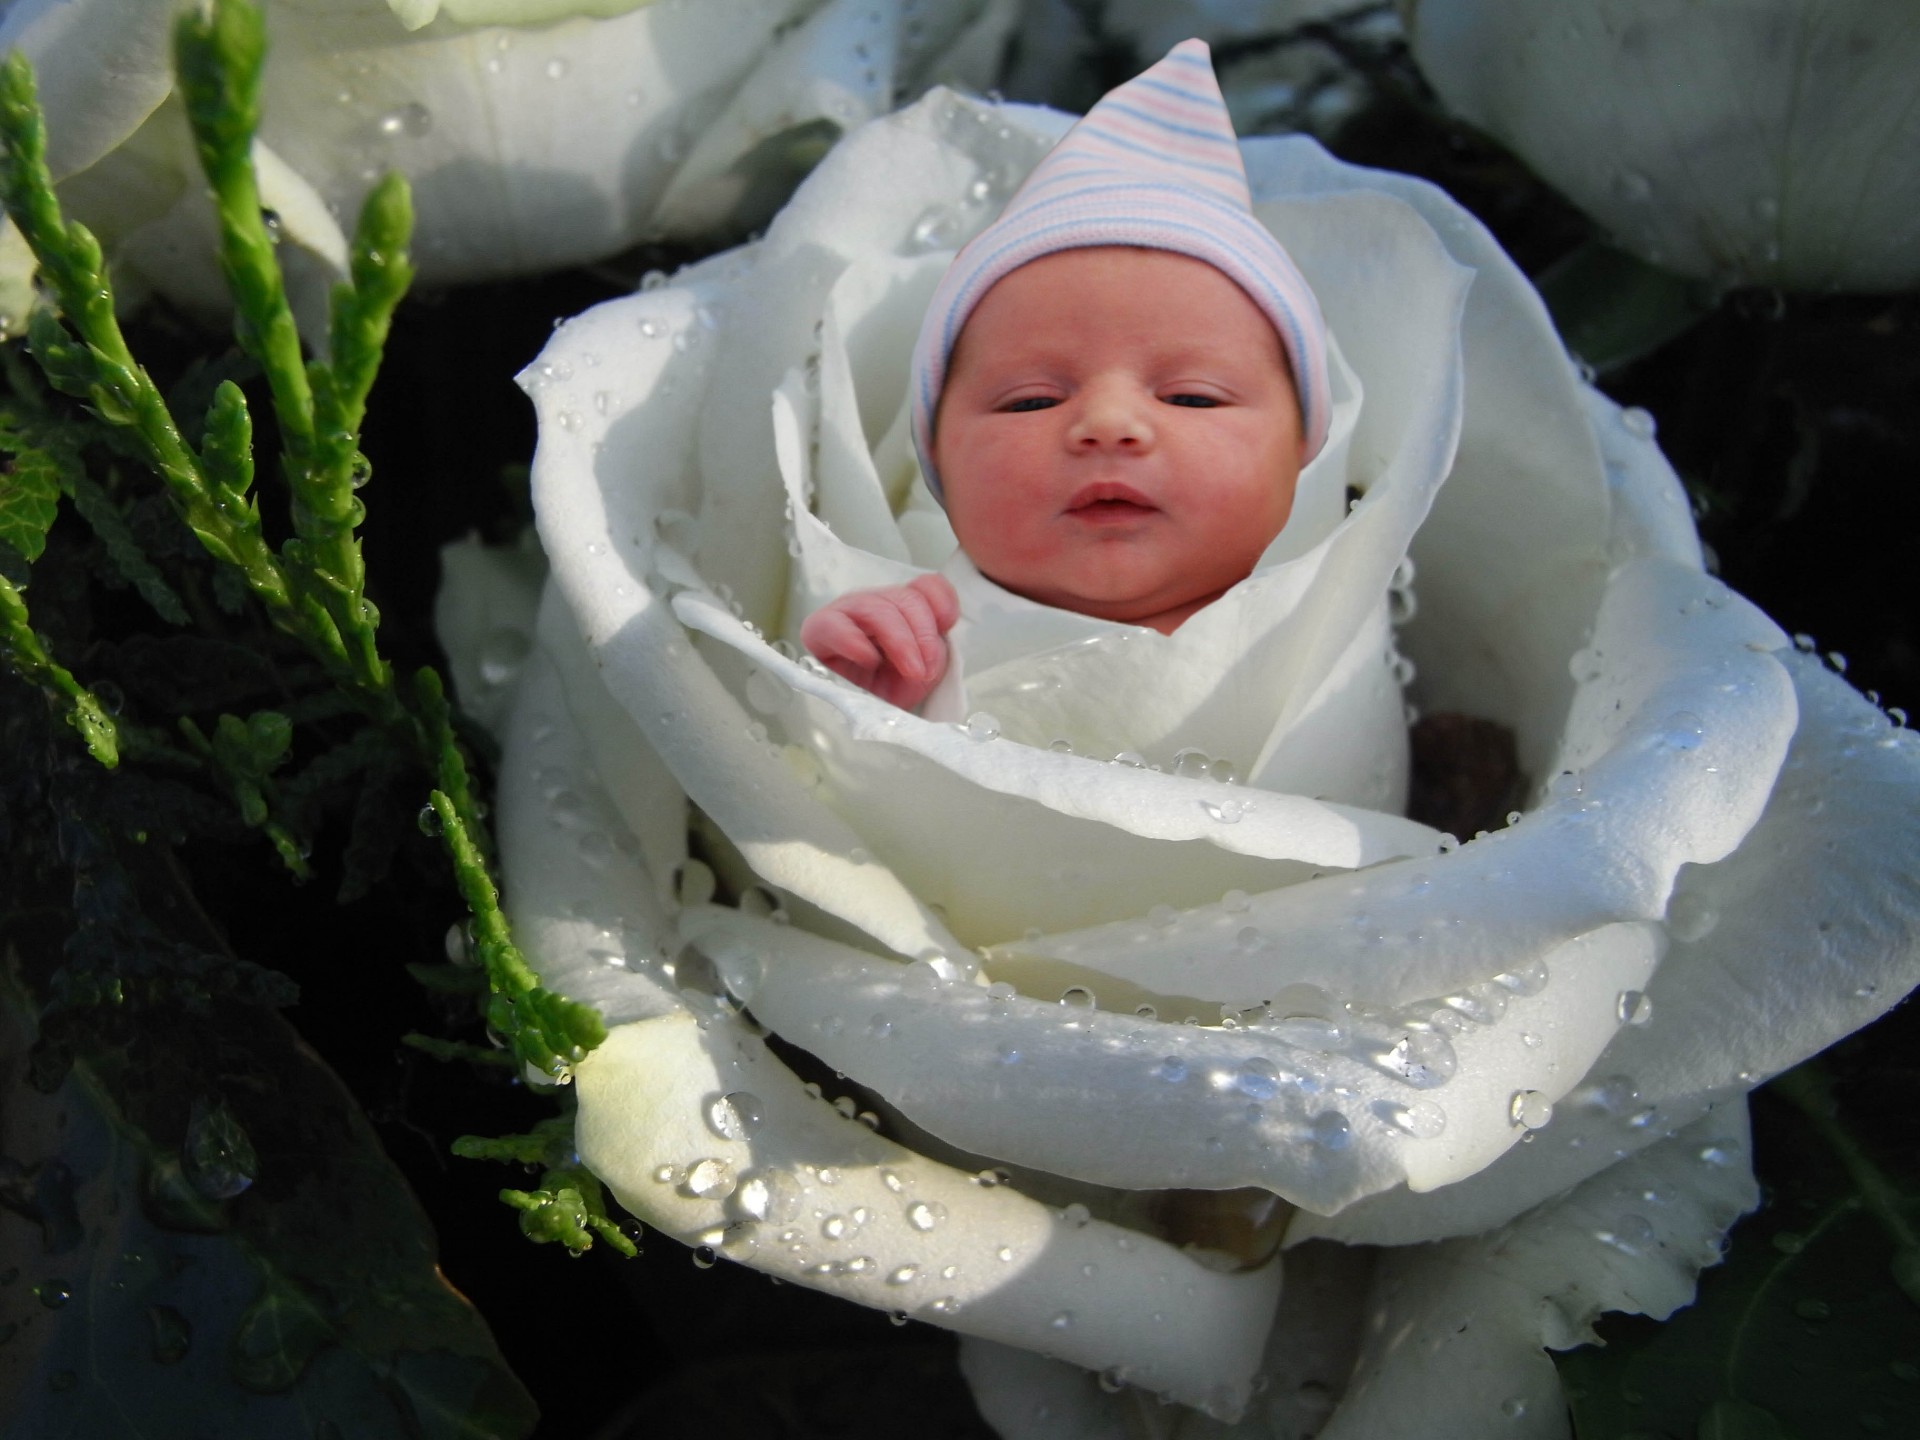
[
  {"x": 1029, "y": 402},
  {"x": 1195, "y": 402}
]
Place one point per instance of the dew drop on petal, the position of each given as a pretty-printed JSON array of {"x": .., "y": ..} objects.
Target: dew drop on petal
[
  {"x": 1529, "y": 1109},
  {"x": 923, "y": 1215},
  {"x": 1332, "y": 1130},
  {"x": 710, "y": 1180},
  {"x": 1423, "y": 1119},
  {"x": 735, "y": 1115},
  {"x": 1634, "y": 1007},
  {"x": 980, "y": 726},
  {"x": 1690, "y": 916}
]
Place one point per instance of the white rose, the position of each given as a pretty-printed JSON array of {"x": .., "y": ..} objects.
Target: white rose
[
  {"x": 536, "y": 133},
  {"x": 1704, "y": 889},
  {"x": 1770, "y": 143}
]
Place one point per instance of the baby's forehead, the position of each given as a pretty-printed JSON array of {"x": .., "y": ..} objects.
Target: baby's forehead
[{"x": 1089, "y": 298}]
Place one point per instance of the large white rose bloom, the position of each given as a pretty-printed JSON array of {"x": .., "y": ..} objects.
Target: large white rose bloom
[
  {"x": 1705, "y": 888},
  {"x": 1768, "y": 142},
  {"x": 536, "y": 133}
]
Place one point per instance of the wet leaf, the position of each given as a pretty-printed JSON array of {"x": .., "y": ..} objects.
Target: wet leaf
[
  {"x": 1803, "y": 1332},
  {"x": 306, "y": 1302}
]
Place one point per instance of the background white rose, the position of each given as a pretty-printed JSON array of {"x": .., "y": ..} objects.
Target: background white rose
[
  {"x": 1771, "y": 143},
  {"x": 536, "y": 133},
  {"x": 1431, "y": 1011}
]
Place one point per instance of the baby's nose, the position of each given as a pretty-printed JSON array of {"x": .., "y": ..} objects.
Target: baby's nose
[{"x": 1113, "y": 416}]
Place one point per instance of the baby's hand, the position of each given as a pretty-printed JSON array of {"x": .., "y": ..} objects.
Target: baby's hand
[{"x": 890, "y": 641}]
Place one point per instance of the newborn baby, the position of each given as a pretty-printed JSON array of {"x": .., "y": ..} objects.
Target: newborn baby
[{"x": 1115, "y": 389}]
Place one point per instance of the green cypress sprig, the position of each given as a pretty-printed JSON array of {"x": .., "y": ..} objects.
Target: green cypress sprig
[
  {"x": 91, "y": 360},
  {"x": 27, "y": 654},
  {"x": 548, "y": 1031},
  {"x": 569, "y": 1207},
  {"x": 314, "y": 588}
]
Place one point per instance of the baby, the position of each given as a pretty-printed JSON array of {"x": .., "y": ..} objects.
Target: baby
[{"x": 1115, "y": 388}]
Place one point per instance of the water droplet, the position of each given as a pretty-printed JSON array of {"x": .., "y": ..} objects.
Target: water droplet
[
  {"x": 1062, "y": 1321},
  {"x": 1514, "y": 1407},
  {"x": 1076, "y": 1215},
  {"x": 1529, "y": 1109},
  {"x": 1077, "y": 997},
  {"x": 1171, "y": 1069},
  {"x": 1422, "y": 1058},
  {"x": 710, "y": 1180},
  {"x": 980, "y": 726},
  {"x": 835, "y": 1227},
  {"x": 1227, "y": 812},
  {"x": 735, "y": 1115},
  {"x": 557, "y": 68},
  {"x": 925, "y": 1214},
  {"x": 1257, "y": 1078},
  {"x": 765, "y": 693},
  {"x": 1332, "y": 1130},
  {"x": 428, "y": 819},
  {"x": 411, "y": 120},
  {"x": 1193, "y": 764},
  {"x": 216, "y": 1156},
  {"x": 1681, "y": 731},
  {"x": 879, "y": 1027},
  {"x": 171, "y": 1334},
  {"x": 502, "y": 654},
  {"x": 704, "y": 1257},
  {"x": 1634, "y": 1007},
  {"x": 938, "y": 228},
  {"x": 903, "y": 1275},
  {"x": 1690, "y": 916},
  {"x": 1423, "y": 1119},
  {"x": 53, "y": 1293}
]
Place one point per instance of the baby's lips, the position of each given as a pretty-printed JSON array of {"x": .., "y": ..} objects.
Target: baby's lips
[{"x": 1105, "y": 492}]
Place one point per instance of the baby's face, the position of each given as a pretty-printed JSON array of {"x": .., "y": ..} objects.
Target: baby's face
[{"x": 1119, "y": 434}]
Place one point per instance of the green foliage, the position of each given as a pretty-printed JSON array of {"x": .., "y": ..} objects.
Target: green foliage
[
  {"x": 570, "y": 1208},
  {"x": 29, "y": 492},
  {"x": 228, "y": 1251},
  {"x": 1810, "y": 1328},
  {"x": 26, "y": 653},
  {"x": 260, "y": 702}
]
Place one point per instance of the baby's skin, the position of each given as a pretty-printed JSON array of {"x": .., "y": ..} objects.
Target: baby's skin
[{"x": 1119, "y": 435}]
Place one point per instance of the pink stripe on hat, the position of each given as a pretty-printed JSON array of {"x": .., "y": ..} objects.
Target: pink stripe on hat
[{"x": 1154, "y": 164}]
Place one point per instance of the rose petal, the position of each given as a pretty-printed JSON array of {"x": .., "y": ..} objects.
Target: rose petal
[
  {"x": 1769, "y": 144},
  {"x": 75, "y": 46},
  {"x": 807, "y": 1194},
  {"x": 1458, "y": 1328},
  {"x": 1803, "y": 935}
]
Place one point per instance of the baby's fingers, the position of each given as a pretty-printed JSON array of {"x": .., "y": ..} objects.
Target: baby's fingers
[
  {"x": 839, "y": 642},
  {"x": 894, "y": 620}
]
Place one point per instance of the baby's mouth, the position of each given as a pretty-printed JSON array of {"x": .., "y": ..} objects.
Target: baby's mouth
[{"x": 1106, "y": 500}]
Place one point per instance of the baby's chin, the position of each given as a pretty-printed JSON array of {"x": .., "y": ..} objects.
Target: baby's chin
[{"x": 1164, "y": 609}]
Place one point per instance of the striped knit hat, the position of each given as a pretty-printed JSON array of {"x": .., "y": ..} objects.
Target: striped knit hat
[{"x": 1154, "y": 164}]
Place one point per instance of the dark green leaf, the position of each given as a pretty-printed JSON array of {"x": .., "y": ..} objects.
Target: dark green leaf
[
  {"x": 128, "y": 559},
  {"x": 29, "y": 496},
  {"x": 1612, "y": 308},
  {"x": 304, "y": 1302},
  {"x": 1803, "y": 1332}
]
